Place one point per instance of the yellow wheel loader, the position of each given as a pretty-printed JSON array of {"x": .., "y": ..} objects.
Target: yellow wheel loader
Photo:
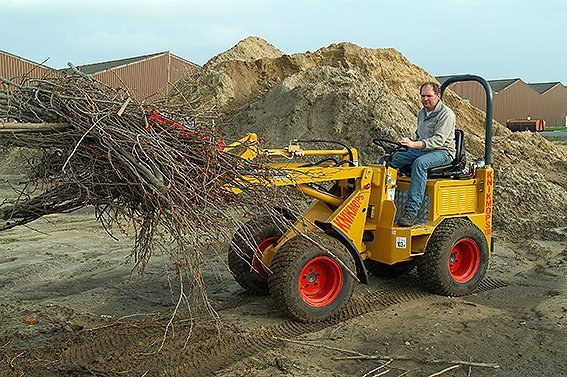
[{"x": 350, "y": 229}]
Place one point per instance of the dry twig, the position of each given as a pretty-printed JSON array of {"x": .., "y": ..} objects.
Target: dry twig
[
  {"x": 101, "y": 148},
  {"x": 445, "y": 370},
  {"x": 425, "y": 361}
]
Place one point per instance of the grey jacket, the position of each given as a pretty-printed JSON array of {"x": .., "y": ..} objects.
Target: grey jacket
[{"x": 437, "y": 130}]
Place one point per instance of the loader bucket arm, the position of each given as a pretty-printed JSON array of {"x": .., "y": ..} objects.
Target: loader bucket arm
[{"x": 294, "y": 171}]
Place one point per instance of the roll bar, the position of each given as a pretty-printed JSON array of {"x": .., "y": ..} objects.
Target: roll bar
[{"x": 488, "y": 91}]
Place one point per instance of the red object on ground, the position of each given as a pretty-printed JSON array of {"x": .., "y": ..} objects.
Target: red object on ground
[{"x": 155, "y": 117}]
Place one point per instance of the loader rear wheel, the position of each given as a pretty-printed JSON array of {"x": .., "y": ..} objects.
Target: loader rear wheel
[
  {"x": 310, "y": 284},
  {"x": 245, "y": 254},
  {"x": 455, "y": 259}
]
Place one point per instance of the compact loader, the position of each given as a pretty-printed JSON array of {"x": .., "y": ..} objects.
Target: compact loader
[{"x": 350, "y": 229}]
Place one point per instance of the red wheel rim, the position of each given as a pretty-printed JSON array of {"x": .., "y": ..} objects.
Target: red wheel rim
[
  {"x": 320, "y": 281},
  {"x": 464, "y": 260},
  {"x": 257, "y": 263}
]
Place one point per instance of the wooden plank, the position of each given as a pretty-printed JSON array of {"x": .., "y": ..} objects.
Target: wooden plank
[{"x": 32, "y": 127}]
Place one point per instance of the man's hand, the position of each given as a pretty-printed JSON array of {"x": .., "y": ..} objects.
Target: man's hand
[{"x": 406, "y": 142}]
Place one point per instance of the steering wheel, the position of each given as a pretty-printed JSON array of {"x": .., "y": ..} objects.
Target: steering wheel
[{"x": 390, "y": 146}]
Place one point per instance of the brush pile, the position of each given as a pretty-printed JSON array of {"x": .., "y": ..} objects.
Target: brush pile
[{"x": 102, "y": 148}]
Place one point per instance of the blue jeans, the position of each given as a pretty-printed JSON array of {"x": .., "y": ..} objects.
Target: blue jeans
[{"x": 420, "y": 161}]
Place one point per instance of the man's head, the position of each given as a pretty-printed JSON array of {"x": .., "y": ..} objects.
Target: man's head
[{"x": 429, "y": 92}]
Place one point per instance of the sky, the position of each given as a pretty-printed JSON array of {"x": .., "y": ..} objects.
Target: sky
[{"x": 496, "y": 39}]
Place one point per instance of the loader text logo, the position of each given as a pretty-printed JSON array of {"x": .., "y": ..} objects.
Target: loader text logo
[
  {"x": 488, "y": 201},
  {"x": 347, "y": 216}
]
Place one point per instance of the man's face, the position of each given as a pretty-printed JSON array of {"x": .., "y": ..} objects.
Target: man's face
[{"x": 428, "y": 98}]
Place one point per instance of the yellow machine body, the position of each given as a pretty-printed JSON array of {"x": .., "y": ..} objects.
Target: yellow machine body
[
  {"x": 360, "y": 209},
  {"x": 350, "y": 230}
]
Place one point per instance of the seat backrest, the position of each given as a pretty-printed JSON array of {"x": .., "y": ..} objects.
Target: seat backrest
[
  {"x": 457, "y": 165},
  {"x": 459, "y": 148},
  {"x": 452, "y": 169}
]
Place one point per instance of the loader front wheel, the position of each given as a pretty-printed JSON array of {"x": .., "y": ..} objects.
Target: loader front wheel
[
  {"x": 310, "y": 284},
  {"x": 455, "y": 259},
  {"x": 245, "y": 254}
]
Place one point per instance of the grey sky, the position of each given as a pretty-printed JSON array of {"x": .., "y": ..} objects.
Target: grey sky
[{"x": 495, "y": 39}]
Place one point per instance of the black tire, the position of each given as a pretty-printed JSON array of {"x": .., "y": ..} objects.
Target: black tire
[
  {"x": 247, "y": 269},
  {"x": 307, "y": 283},
  {"x": 455, "y": 259},
  {"x": 389, "y": 271}
]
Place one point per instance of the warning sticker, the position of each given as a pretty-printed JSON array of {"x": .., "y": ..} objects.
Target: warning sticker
[
  {"x": 400, "y": 242},
  {"x": 391, "y": 194}
]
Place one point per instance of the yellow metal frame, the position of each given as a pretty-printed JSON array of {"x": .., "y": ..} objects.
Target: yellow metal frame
[
  {"x": 471, "y": 198},
  {"x": 364, "y": 202}
]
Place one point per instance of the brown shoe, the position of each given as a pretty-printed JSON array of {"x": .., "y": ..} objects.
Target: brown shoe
[{"x": 407, "y": 219}]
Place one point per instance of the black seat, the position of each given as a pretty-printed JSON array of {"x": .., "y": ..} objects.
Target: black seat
[
  {"x": 452, "y": 170},
  {"x": 458, "y": 164}
]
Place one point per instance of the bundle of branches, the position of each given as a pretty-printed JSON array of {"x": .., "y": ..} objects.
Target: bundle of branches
[{"x": 102, "y": 148}]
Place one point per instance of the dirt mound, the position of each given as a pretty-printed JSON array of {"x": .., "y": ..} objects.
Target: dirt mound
[
  {"x": 302, "y": 106},
  {"x": 233, "y": 77},
  {"x": 350, "y": 94},
  {"x": 228, "y": 85},
  {"x": 248, "y": 49},
  {"x": 231, "y": 84}
]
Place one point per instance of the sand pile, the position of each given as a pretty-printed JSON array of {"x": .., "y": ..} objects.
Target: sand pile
[
  {"x": 235, "y": 77},
  {"x": 249, "y": 49},
  {"x": 352, "y": 94}
]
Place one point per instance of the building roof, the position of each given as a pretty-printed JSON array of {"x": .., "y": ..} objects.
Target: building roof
[
  {"x": 442, "y": 79},
  {"x": 25, "y": 60},
  {"x": 500, "y": 85},
  {"x": 91, "y": 69},
  {"x": 542, "y": 87},
  {"x": 495, "y": 85}
]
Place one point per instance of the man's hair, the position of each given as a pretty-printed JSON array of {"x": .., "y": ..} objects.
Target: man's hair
[{"x": 433, "y": 85}]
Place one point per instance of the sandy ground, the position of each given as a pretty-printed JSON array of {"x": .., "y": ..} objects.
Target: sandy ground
[{"x": 71, "y": 306}]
